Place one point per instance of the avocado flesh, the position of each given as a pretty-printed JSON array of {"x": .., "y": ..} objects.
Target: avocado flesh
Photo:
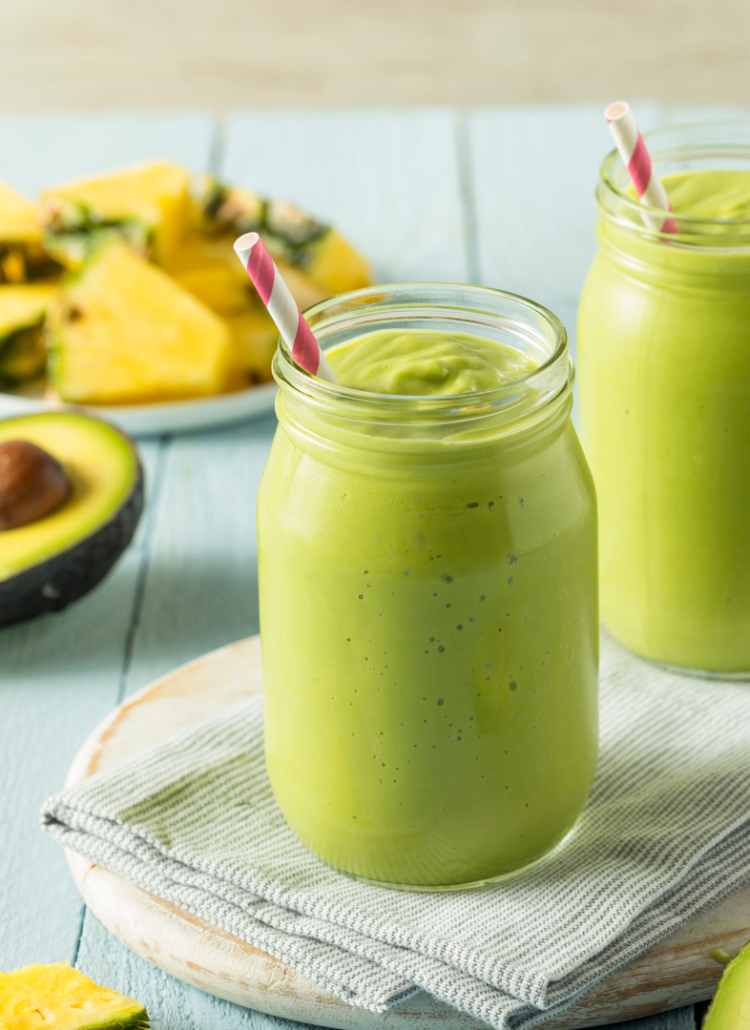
[
  {"x": 59, "y": 997},
  {"x": 102, "y": 467},
  {"x": 730, "y": 1008}
]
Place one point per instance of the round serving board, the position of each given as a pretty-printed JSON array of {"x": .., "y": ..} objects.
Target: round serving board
[{"x": 678, "y": 971}]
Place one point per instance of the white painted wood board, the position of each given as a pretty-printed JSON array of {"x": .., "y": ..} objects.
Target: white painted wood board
[{"x": 678, "y": 970}]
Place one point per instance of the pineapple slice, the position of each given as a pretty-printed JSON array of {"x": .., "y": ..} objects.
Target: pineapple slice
[
  {"x": 254, "y": 335},
  {"x": 147, "y": 205},
  {"x": 207, "y": 267},
  {"x": 61, "y": 998},
  {"x": 22, "y": 256},
  {"x": 123, "y": 332},
  {"x": 22, "y": 350},
  {"x": 327, "y": 260}
]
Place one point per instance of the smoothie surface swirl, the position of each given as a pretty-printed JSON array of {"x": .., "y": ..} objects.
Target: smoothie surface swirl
[
  {"x": 430, "y": 363},
  {"x": 713, "y": 193}
]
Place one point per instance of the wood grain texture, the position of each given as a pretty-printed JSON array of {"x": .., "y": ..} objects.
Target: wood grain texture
[
  {"x": 389, "y": 181},
  {"x": 150, "y": 53},
  {"x": 676, "y": 970}
]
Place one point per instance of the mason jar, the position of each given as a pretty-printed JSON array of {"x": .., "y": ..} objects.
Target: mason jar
[
  {"x": 428, "y": 603},
  {"x": 664, "y": 363}
]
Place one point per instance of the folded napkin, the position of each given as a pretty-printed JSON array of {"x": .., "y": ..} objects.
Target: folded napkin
[{"x": 665, "y": 834}]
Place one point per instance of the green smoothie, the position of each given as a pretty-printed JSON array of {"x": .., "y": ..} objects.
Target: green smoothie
[
  {"x": 429, "y": 620},
  {"x": 664, "y": 363}
]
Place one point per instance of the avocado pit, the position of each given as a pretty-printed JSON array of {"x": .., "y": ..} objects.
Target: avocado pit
[{"x": 33, "y": 484}]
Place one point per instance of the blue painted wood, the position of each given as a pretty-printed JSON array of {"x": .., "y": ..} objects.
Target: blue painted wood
[
  {"x": 42, "y": 150},
  {"x": 534, "y": 171},
  {"x": 388, "y": 180}
]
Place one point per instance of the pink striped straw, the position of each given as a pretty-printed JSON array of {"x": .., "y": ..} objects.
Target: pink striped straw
[
  {"x": 282, "y": 307},
  {"x": 637, "y": 160}
]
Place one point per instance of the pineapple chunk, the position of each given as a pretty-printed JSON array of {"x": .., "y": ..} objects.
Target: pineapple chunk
[
  {"x": 22, "y": 256},
  {"x": 61, "y": 998},
  {"x": 123, "y": 332},
  {"x": 147, "y": 205},
  {"x": 254, "y": 335},
  {"x": 22, "y": 350},
  {"x": 207, "y": 267}
]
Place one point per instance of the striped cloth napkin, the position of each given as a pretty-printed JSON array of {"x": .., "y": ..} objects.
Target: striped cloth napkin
[{"x": 665, "y": 834}]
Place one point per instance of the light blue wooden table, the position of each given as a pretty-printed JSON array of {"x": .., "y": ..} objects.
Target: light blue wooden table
[{"x": 501, "y": 197}]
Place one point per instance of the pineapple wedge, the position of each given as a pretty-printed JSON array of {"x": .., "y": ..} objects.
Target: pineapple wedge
[
  {"x": 22, "y": 350},
  {"x": 254, "y": 336},
  {"x": 147, "y": 205},
  {"x": 123, "y": 332},
  {"x": 327, "y": 260},
  {"x": 22, "y": 256},
  {"x": 207, "y": 267},
  {"x": 60, "y": 997}
]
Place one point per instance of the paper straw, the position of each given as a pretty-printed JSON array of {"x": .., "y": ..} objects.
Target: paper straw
[
  {"x": 282, "y": 307},
  {"x": 637, "y": 160}
]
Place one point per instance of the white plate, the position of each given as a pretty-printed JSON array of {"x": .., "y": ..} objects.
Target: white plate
[{"x": 153, "y": 419}]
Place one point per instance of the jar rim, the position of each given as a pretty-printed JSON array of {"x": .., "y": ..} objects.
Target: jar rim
[
  {"x": 477, "y": 305},
  {"x": 693, "y": 141}
]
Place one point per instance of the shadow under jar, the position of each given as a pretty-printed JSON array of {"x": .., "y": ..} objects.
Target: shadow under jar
[
  {"x": 664, "y": 364},
  {"x": 428, "y": 592}
]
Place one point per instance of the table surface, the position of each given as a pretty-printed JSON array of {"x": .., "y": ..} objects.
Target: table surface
[{"x": 501, "y": 197}]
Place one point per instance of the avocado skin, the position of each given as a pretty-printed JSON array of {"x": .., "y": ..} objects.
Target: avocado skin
[{"x": 52, "y": 585}]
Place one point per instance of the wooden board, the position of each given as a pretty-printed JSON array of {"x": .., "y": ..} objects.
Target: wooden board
[{"x": 676, "y": 972}]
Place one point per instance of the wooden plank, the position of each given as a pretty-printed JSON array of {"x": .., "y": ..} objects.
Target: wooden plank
[
  {"x": 677, "y": 114},
  {"x": 39, "y": 151},
  {"x": 59, "y": 675},
  {"x": 389, "y": 181},
  {"x": 150, "y": 53},
  {"x": 201, "y": 590},
  {"x": 534, "y": 171}
]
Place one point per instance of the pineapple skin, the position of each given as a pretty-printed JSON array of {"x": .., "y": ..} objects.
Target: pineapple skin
[
  {"x": 123, "y": 332},
  {"x": 37, "y": 995},
  {"x": 148, "y": 204},
  {"x": 22, "y": 257},
  {"x": 23, "y": 354}
]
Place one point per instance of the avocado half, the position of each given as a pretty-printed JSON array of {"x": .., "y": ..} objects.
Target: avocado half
[{"x": 47, "y": 564}]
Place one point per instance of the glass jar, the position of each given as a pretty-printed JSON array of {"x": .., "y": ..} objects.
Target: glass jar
[
  {"x": 664, "y": 362},
  {"x": 428, "y": 602}
]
